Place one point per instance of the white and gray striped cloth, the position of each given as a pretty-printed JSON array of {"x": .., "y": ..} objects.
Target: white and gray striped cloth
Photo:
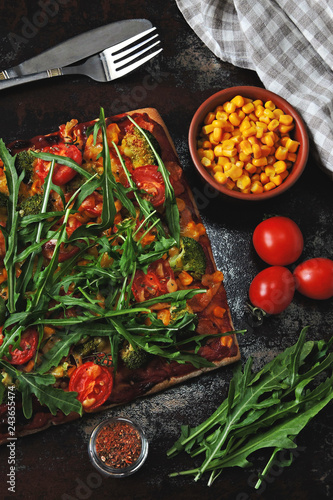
[{"x": 289, "y": 43}]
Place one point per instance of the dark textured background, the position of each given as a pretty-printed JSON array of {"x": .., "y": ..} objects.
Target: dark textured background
[{"x": 54, "y": 464}]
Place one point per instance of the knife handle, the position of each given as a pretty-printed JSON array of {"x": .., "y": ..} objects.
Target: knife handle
[
  {"x": 4, "y": 75},
  {"x": 12, "y": 82}
]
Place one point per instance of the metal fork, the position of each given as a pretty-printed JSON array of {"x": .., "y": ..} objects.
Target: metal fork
[{"x": 112, "y": 63}]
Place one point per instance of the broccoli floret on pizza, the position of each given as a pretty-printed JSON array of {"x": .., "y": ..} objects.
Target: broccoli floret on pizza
[
  {"x": 92, "y": 345},
  {"x": 24, "y": 163},
  {"x": 137, "y": 148},
  {"x": 191, "y": 258},
  {"x": 133, "y": 357},
  {"x": 31, "y": 205},
  {"x": 181, "y": 309}
]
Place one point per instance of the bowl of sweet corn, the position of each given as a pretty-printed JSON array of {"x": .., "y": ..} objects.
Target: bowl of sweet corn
[{"x": 248, "y": 143}]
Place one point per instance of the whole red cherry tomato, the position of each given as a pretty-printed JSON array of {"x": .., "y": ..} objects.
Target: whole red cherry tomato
[
  {"x": 93, "y": 383},
  {"x": 150, "y": 180},
  {"x": 61, "y": 174},
  {"x": 278, "y": 241},
  {"x": 272, "y": 290},
  {"x": 28, "y": 347},
  {"x": 314, "y": 278}
]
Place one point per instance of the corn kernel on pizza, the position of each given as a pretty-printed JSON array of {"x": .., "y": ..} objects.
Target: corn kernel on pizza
[{"x": 108, "y": 288}]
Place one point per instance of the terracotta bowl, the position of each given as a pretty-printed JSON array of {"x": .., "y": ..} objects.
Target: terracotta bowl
[{"x": 299, "y": 134}]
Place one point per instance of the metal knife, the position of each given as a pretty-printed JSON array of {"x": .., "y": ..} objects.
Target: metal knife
[{"x": 78, "y": 47}]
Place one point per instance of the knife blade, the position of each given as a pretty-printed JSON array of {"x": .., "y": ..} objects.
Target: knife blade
[{"x": 78, "y": 47}]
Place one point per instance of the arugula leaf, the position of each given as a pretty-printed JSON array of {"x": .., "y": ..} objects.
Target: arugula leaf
[
  {"x": 109, "y": 184},
  {"x": 77, "y": 321},
  {"x": 58, "y": 351},
  {"x": 28, "y": 220},
  {"x": 64, "y": 161},
  {"x": 172, "y": 212},
  {"x": 296, "y": 355},
  {"x": 171, "y": 353},
  {"x": 263, "y": 410},
  {"x": 10, "y": 233},
  {"x": 173, "y": 297},
  {"x": 46, "y": 276},
  {"x": 108, "y": 181},
  {"x": 145, "y": 206},
  {"x": 156, "y": 250},
  {"x": 41, "y": 386},
  {"x": 128, "y": 254},
  {"x": 54, "y": 399},
  {"x": 11, "y": 339},
  {"x": 28, "y": 266}
]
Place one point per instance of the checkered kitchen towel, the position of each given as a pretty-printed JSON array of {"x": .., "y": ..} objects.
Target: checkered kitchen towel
[{"x": 289, "y": 43}]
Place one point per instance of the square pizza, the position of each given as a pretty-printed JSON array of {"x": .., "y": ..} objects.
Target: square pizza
[{"x": 108, "y": 287}]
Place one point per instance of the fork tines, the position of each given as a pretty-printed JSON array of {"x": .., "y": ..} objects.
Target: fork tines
[{"x": 129, "y": 51}]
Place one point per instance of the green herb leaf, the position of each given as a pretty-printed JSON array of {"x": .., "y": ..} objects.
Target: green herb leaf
[
  {"x": 10, "y": 233},
  {"x": 173, "y": 297},
  {"x": 265, "y": 410},
  {"x": 41, "y": 386},
  {"x": 146, "y": 207},
  {"x": 12, "y": 338},
  {"x": 63, "y": 160},
  {"x": 58, "y": 351},
  {"x": 172, "y": 212},
  {"x": 109, "y": 184}
]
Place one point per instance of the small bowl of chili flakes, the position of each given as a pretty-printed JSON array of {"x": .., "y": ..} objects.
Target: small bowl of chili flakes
[
  {"x": 118, "y": 447},
  {"x": 248, "y": 143}
]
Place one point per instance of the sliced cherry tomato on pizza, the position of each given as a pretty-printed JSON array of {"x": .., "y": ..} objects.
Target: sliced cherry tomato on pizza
[
  {"x": 72, "y": 224},
  {"x": 145, "y": 286},
  {"x": 93, "y": 204},
  {"x": 62, "y": 173},
  {"x": 28, "y": 347},
  {"x": 278, "y": 241},
  {"x": 93, "y": 383},
  {"x": 158, "y": 280},
  {"x": 65, "y": 251},
  {"x": 164, "y": 273},
  {"x": 150, "y": 180},
  {"x": 272, "y": 290}
]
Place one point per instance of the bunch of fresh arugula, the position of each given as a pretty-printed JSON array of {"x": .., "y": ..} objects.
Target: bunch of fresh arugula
[
  {"x": 267, "y": 409},
  {"x": 31, "y": 290}
]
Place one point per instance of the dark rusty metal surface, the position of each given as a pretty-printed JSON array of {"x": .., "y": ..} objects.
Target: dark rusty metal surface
[{"x": 54, "y": 464}]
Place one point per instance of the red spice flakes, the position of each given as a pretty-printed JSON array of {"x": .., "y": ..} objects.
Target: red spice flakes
[{"x": 118, "y": 445}]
